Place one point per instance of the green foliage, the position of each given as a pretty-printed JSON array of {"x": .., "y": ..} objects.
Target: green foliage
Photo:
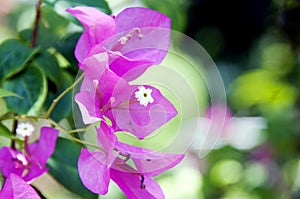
[
  {"x": 63, "y": 167},
  {"x": 264, "y": 89},
  {"x": 31, "y": 85},
  {"x": 51, "y": 28},
  {"x": 13, "y": 57},
  {"x": 49, "y": 65},
  {"x": 66, "y": 46},
  {"x": 64, "y": 106},
  {"x": 5, "y": 132},
  {"x": 102, "y": 5}
]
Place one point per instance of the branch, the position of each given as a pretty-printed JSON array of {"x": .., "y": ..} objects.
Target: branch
[
  {"x": 56, "y": 100},
  {"x": 14, "y": 131},
  {"x": 36, "y": 24}
]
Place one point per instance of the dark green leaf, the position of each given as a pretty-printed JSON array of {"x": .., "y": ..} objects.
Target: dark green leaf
[
  {"x": 63, "y": 167},
  {"x": 66, "y": 47},
  {"x": 5, "y": 132},
  {"x": 64, "y": 4},
  {"x": 31, "y": 85},
  {"x": 13, "y": 57},
  {"x": 49, "y": 65},
  {"x": 64, "y": 106}
]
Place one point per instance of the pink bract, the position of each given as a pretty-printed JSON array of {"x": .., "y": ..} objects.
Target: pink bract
[
  {"x": 103, "y": 93},
  {"x": 32, "y": 163},
  {"x": 130, "y": 39},
  {"x": 15, "y": 187},
  {"x": 136, "y": 186},
  {"x": 112, "y": 162}
]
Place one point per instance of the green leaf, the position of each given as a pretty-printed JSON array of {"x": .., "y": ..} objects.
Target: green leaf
[
  {"x": 13, "y": 57},
  {"x": 64, "y": 106},
  {"x": 6, "y": 93},
  {"x": 66, "y": 46},
  {"x": 31, "y": 85},
  {"x": 63, "y": 167},
  {"x": 49, "y": 65},
  {"x": 5, "y": 132},
  {"x": 62, "y": 5}
]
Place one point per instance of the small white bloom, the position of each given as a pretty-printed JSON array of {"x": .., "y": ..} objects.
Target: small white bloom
[
  {"x": 24, "y": 129},
  {"x": 143, "y": 95}
]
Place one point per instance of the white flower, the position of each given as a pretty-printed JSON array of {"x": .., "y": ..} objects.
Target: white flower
[
  {"x": 143, "y": 95},
  {"x": 24, "y": 129}
]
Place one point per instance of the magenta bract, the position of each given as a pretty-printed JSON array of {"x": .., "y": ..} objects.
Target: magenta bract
[
  {"x": 15, "y": 187},
  {"x": 32, "y": 163},
  {"x": 136, "y": 186},
  {"x": 130, "y": 39},
  {"x": 97, "y": 167},
  {"x": 103, "y": 93}
]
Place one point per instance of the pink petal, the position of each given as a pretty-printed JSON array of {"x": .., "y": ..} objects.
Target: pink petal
[
  {"x": 41, "y": 151},
  {"x": 111, "y": 87},
  {"x": 98, "y": 80},
  {"x": 106, "y": 138},
  {"x": 8, "y": 163},
  {"x": 16, "y": 188},
  {"x": 88, "y": 111},
  {"x": 131, "y": 68},
  {"x": 141, "y": 17},
  {"x": 141, "y": 121},
  {"x": 135, "y": 56},
  {"x": 94, "y": 67},
  {"x": 98, "y": 26},
  {"x": 93, "y": 171},
  {"x": 130, "y": 184},
  {"x": 152, "y": 47},
  {"x": 35, "y": 171},
  {"x": 150, "y": 162},
  {"x": 155, "y": 28},
  {"x": 105, "y": 93}
]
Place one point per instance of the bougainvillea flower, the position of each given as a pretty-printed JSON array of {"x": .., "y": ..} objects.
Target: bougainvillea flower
[
  {"x": 31, "y": 163},
  {"x": 130, "y": 38},
  {"x": 133, "y": 108},
  {"x": 137, "y": 186},
  {"x": 15, "y": 187},
  {"x": 96, "y": 167},
  {"x": 93, "y": 166}
]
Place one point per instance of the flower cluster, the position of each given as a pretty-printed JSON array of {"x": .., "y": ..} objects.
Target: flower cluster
[
  {"x": 21, "y": 167},
  {"x": 112, "y": 51}
]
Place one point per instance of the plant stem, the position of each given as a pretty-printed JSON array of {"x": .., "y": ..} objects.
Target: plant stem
[
  {"x": 36, "y": 24},
  {"x": 87, "y": 143},
  {"x": 56, "y": 100},
  {"x": 80, "y": 130},
  {"x": 14, "y": 131}
]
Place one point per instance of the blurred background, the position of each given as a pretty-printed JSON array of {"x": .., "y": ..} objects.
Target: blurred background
[{"x": 256, "y": 47}]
